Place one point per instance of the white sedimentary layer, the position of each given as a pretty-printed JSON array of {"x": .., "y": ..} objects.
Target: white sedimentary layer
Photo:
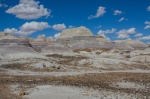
[{"x": 80, "y": 31}]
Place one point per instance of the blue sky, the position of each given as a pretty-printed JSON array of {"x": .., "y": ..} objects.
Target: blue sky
[{"x": 113, "y": 19}]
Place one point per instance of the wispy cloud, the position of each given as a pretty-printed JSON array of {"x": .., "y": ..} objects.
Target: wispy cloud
[
  {"x": 98, "y": 26},
  {"x": 120, "y": 20},
  {"x": 145, "y": 38},
  {"x": 100, "y": 11},
  {"x": 106, "y": 31},
  {"x": 147, "y": 25},
  {"x": 71, "y": 26},
  {"x": 148, "y": 8},
  {"x": 117, "y": 12},
  {"x": 3, "y": 5},
  {"x": 138, "y": 35}
]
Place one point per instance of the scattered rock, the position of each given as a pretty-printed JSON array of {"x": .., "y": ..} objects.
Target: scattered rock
[{"x": 22, "y": 93}]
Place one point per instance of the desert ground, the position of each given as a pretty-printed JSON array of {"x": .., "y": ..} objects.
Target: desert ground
[
  {"x": 74, "y": 77},
  {"x": 73, "y": 67}
]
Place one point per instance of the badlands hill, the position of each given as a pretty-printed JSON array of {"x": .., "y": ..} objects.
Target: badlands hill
[
  {"x": 70, "y": 42},
  {"x": 80, "y": 31},
  {"x": 30, "y": 67},
  {"x": 74, "y": 39},
  {"x": 132, "y": 43}
]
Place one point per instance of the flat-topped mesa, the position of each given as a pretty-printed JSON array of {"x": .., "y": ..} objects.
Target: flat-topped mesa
[
  {"x": 80, "y": 31},
  {"x": 8, "y": 39}
]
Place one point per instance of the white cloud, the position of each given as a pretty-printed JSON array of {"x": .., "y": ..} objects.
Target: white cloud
[
  {"x": 148, "y": 8},
  {"x": 28, "y": 28},
  {"x": 147, "y": 25},
  {"x": 120, "y": 20},
  {"x": 138, "y": 35},
  {"x": 102, "y": 32},
  {"x": 123, "y": 36},
  {"x": 145, "y": 38},
  {"x": 117, "y": 12},
  {"x": 83, "y": 26},
  {"x": 56, "y": 35},
  {"x": 50, "y": 37},
  {"x": 29, "y": 9},
  {"x": 100, "y": 11},
  {"x": 126, "y": 33},
  {"x": 103, "y": 35},
  {"x": 129, "y": 31},
  {"x": 147, "y": 22},
  {"x": 59, "y": 27},
  {"x": 71, "y": 26},
  {"x": 34, "y": 26},
  {"x": 11, "y": 31},
  {"x": 41, "y": 35},
  {"x": 3, "y": 5}
]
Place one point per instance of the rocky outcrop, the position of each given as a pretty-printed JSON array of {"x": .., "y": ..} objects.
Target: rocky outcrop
[
  {"x": 69, "y": 41},
  {"x": 56, "y": 49},
  {"x": 134, "y": 44},
  {"x": 90, "y": 43},
  {"x": 14, "y": 51},
  {"x": 80, "y": 31},
  {"x": 140, "y": 52},
  {"x": 148, "y": 44},
  {"x": 8, "y": 39},
  {"x": 81, "y": 38},
  {"x": 122, "y": 46},
  {"x": 80, "y": 42},
  {"x": 40, "y": 42},
  {"x": 13, "y": 47}
]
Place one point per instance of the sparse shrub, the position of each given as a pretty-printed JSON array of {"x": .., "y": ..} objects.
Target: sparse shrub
[
  {"x": 128, "y": 56},
  {"x": 98, "y": 53}
]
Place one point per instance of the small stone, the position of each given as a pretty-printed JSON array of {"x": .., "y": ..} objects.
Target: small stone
[{"x": 22, "y": 93}]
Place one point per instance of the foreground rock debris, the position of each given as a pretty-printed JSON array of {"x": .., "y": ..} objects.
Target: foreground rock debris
[{"x": 77, "y": 65}]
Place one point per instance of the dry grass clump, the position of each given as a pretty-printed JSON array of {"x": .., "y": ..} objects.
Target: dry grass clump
[
  {"x": 66, "y": 57},
  {"x": 5, "y": 92},
  {"x": 96, "y": 81},
  {"x": 68, "y": 60},
  {"x": 86, "y": 49},
  {"x": 102, "y": 81},
  {"x": 25, "y": 66},
  {"x": 144, "y": 55},
  {"x": 90, "y": 50}
]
